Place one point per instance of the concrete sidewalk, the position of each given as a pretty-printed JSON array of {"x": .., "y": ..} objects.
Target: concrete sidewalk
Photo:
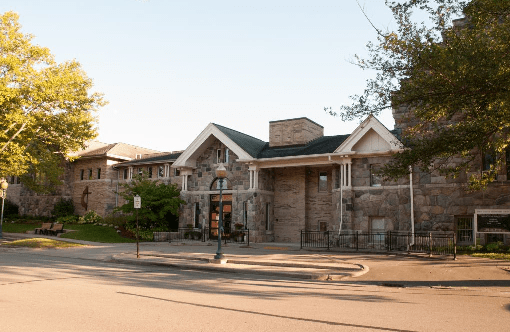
[{"x": 288, "y": 260}]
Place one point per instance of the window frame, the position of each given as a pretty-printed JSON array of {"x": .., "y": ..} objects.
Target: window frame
[
  {"x": 375, "y": 180},
  {"x": 323, "y": 183}
]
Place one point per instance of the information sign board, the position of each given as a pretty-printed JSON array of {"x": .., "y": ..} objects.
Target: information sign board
[{"x": 138, "y": 202}]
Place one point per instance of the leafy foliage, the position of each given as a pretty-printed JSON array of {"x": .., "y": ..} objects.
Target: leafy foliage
[
  {"x": 63, "y": 208},
  {"x": 10, "y": 208},
  {"x": 158, "y": 200},
  {"x": 90, "y": 217},
  {"x": 454, "y": 80},
  {"x": 46, "y": 110}
]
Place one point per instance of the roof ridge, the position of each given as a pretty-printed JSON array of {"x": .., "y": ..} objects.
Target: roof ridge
[{"x": 237, "y": 131}]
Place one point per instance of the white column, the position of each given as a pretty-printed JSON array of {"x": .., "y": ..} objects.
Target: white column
[
  {"x": 254, "y": 177},
  {"x": 130, "y": 175},
  {"x": 166, "y": 173},
  {"x": 343, "y": 175},
  {"x": 184, "y": 182},
  {"x": 349, "y": 174}
]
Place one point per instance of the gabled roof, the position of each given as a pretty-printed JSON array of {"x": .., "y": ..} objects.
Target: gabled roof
[
  {"x": 244, "y": 146},
  {"x": 321, "y": 145},
  {"x": 114, "y": 150},
  {"x": 248, "y": 143},
  {"x": 370, "y": 136},
  {"x": 153, "y": 159}
]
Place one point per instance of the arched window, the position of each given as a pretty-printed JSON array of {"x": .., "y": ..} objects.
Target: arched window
[{"x": 215, "y": 185}]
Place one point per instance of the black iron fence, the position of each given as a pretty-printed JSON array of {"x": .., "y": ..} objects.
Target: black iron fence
[
  {"x": 204, "y": 234},
  {"x": 431, "y": 243}
]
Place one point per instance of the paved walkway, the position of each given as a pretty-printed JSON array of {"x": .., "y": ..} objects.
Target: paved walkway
[{"x": 288, "y": 260}]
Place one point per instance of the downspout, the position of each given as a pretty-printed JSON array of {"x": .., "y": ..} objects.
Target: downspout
[
  {"x": 341, "y": 200},
  {"x": 412, "y": 204}
]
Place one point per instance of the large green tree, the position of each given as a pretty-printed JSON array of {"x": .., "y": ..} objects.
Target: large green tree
[
  {"x": 46, "y": 108},
  {"x": 158, "y": 201},
  {"x": 454, "y": 80}
]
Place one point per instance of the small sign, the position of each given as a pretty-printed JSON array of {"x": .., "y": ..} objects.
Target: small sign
[
  {"x": 138, "y": 202},
  {"x": 494, "y": 223}
]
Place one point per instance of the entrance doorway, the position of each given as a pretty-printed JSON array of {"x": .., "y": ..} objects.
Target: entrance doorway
[{"x": 214, "y": 215}]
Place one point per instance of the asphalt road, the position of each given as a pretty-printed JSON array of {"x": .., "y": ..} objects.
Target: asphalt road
[{"x": 44, "y": 291}]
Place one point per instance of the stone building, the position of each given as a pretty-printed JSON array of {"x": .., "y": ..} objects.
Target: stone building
[
  {"x": 299, "y": 180},
  {"x": 303, "y": 180},
  {"x": 90, "y": 181}
]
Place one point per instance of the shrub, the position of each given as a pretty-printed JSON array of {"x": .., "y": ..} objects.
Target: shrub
[
  {"x": 67, "y": 219},
  {"x": 493, "y": 247},
  {"x": 63, "y": 208},
  {"x": 90, "y": 218},
  {"x": 10, "y": 208}
]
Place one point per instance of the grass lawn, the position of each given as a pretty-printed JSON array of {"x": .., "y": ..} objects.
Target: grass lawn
[
  {"x": 493, "y": 255},
  {"x": 20, "y": 227},
  {"x": 86, "y": 232},
  {"x": 42, "y": 243},
  {"x": 89, "y": 232}
]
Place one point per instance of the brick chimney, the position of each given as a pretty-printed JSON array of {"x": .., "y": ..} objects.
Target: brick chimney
[{"x": 293, "y": 132}]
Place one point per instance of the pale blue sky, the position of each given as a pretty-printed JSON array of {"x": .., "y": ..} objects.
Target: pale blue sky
[{"x": 168, "y": 68}]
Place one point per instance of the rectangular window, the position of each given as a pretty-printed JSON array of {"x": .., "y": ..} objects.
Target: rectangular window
[
  {"x": 375, "y": 178},
  {"x": 323, "y": 181},
  {"x": 98, "y": 173},
  {"x": 508, "y": 164},
  {"x": 18, "y": 180},
  {"x": 226, "y": 156},
  {"x": 196, "y": 219},
  {"x": 161, "y": 171},
  {"x": 82, "y": 174},
  {"x": 126, "y": 173},
  {"x": 177, "y": 172},
  {"x": 268, "y": 224},
  {"x": 140, "y": 171},
  {"x": 218, "y": 156},
  {"x": 489, "y": 159},
  {"x": 464, "y": 229},
  {"x": 149, "y": 171},
  {"x": 245, "y": 215},
  {"x": 323, "y": 226},
  {"x": 90, "y": 173}
]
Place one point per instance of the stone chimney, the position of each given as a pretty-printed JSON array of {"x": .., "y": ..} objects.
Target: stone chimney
[{"x": 293, "y": 132}]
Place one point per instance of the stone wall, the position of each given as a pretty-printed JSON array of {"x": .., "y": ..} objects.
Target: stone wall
[
  {"x": 289, "y": 203},
  {"x": 318, "y": 205}
]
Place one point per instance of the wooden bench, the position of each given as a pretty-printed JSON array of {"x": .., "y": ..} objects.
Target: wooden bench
[
  {"x": 42, "y": 230},
  {"x": 55, "y": 229}
]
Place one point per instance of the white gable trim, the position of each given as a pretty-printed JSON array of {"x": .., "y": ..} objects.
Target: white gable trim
[
  {"x": 369, "y": 123},
  {"x": 188, "y": 157}
]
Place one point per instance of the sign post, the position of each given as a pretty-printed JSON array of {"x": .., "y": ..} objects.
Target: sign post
[{"x": 138, "y": 205}]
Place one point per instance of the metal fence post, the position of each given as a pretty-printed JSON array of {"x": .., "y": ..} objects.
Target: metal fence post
[
  {"x": 356, "y": 241},
  {"x": 301, "y": 239},
  {"x": 389, "y": 245},
  {"x": 430, "y": 244},
  {"x": 327, "y": 233},
  {"x": 454, "y": 246}
]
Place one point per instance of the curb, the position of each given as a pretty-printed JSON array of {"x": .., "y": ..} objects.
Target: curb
[{"x": 203, "y": 265}]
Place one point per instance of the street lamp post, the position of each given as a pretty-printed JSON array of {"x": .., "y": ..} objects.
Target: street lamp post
[
  {"x": 221, "y": 174},
  {"x": 3, "y": 192}
]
